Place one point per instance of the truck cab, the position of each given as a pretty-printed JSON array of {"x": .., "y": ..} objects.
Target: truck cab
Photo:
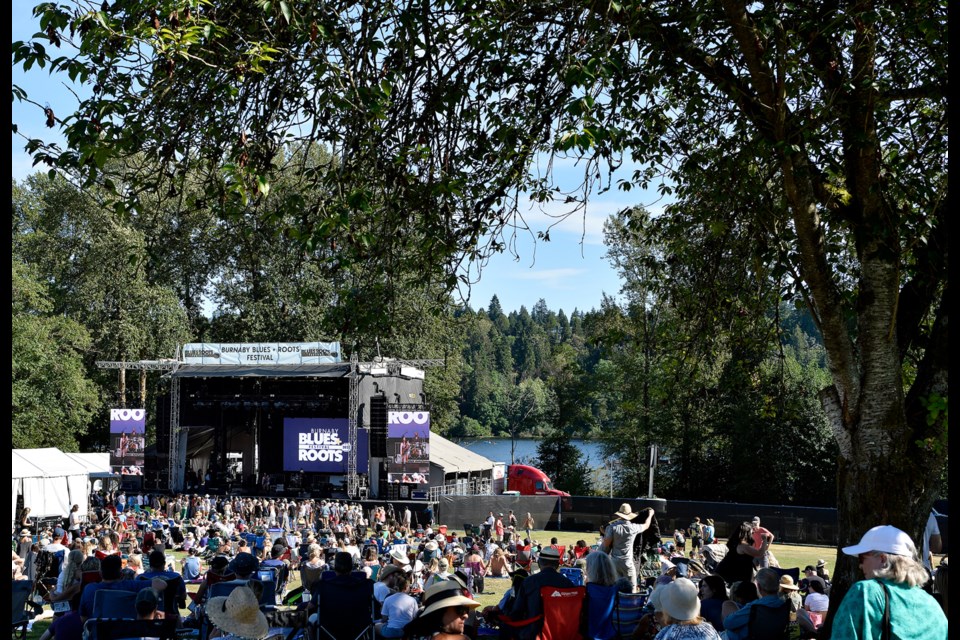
[{"x": 530, "y": 481}]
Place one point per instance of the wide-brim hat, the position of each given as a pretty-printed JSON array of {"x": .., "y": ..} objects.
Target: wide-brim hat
[
  {"x": 399, "y": 556},
  {"x": 885, "y": 539},
  {"x": 445, "y": 594},
  {"x": 386, "y": 571},
  {"x": 821, "y": 563},
  {"x": 710, "y": 521},
  {"x": 431, "y": 545},
  {"x": 625, "y": 512},
  {"x": 786, "y": 582},
  {"x": 238, "y": 614},
  {"x": 680, "y": 601},
  {"x": 25, "y": 532},
  {"x": 523, "y": 573}
]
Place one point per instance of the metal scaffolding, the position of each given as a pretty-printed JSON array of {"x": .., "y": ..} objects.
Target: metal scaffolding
[{"x": 354, "y": 408}]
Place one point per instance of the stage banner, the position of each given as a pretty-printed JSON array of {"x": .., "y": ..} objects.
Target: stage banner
[
  {"x": 128, "y": 428},
  {"x": 261, "y": 353},
  {"x": 408, "y": 447},
  {"x": 321, "y": 445}
]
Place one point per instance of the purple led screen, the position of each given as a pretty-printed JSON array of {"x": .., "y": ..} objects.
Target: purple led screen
[
  {"x": 321, "y": 445},
  {"x": 408, "y": 447},
  {"x": 128, "y": 429}
]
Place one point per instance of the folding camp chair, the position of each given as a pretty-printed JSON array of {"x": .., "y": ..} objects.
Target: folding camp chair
[
  {"x": 524, "y": 557},
  {"x": 562, "y": 614},
  {"x": 115, "y": 604},
  {"x": 627, "y": 611},
  {"x": 24, "y": 608},
  {"x": 769, "y": 623},
  {"x": 309, "y": 575},
  {"x": 601, "y": 603},
  {"x": 573, "y": 574},
  {"x": 333, "y": 598},
  {"x": 112, "y": 629}
]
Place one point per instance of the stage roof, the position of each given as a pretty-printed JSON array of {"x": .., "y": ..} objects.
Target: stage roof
[
  {"x": 324, "y": 370},
  {"x": 455, "y": 459}
]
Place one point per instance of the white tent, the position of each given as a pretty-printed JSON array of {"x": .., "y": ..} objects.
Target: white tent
[
  {"x": 50, "y": 482},
  {"x": 97, "y": 464}
]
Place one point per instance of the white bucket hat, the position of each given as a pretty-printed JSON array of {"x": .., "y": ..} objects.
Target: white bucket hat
[{"x": 680, "y": 601}]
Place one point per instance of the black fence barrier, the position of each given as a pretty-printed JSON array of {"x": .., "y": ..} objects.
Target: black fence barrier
[
  {"x": 458, "y": 511},
  {"x": 802, "y": 525}
]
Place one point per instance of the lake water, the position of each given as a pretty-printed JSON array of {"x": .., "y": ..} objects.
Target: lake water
[{"x": 498, "y": 449}]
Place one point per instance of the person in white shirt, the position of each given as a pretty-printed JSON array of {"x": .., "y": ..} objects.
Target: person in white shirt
[
  {"x": 398, "y": 610},
  {"x": 384, "y": 586}
]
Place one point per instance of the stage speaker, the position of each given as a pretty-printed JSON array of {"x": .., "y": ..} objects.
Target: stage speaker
[{"x": 378, "y": 426}]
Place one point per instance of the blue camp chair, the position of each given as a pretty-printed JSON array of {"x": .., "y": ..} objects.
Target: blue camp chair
[{"x": 116, "y": 604}]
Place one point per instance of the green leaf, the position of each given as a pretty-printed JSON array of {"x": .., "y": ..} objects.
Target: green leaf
[{"x": 263, "y": 185}]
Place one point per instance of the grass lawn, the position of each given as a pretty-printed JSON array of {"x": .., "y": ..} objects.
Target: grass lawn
[{"x": 786, "y": 555}]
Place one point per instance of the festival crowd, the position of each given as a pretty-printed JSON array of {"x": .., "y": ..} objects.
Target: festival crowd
[{"x": 424, "y": 578}]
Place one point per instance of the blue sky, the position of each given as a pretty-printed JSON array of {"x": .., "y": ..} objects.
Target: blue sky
[{"x": 569, "y": 272}]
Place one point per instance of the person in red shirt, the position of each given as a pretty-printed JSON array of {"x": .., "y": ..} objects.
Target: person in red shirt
[{"x": 759, "y": 535}]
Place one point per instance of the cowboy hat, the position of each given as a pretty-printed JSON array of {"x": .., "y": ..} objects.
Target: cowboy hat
[
  {"x": 445, "y": 594},
  {"x": 823, "y": 563},
  {"x": 25, "y": 532},
  {"x": 238, "y": 614},
  {"x": 786, "y": 582},
  {"x": 386, "y": 571},
  {"x": 399, "y": 556},
  {"x": 625, "y": 512}
]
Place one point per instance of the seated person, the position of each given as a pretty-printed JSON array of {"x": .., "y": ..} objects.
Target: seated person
[
  {"x": 399, "y": 609},
  {"x": 191, "y": 566}
]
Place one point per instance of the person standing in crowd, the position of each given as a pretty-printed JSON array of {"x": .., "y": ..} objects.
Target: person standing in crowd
[
  {"x": 528, "y": 525},
  {"x": 696, "y": 537},
  {"x": 73, "y": 522},
  {"x": 890, "y": 601},
  {"x": 618, "y": 539},
  {"x": 488, "y": 526},
  {"x": 709, "y": 532},
  {"x": 737, "y": 564},
  {"x": 760, "y": 534},
  {"x": 25, "y": 521}
]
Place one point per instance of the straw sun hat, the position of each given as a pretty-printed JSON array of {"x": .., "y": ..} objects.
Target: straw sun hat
[
  {"x": 626, "y": 512},
  {"x": 445, "y": 594},
  {"x": 238, "y": 614}
]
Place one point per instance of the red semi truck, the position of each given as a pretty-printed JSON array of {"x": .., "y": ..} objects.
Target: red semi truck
[{"x": 530, "y": 481}]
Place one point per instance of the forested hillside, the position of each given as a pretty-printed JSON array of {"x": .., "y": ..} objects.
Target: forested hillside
[{"x": 719, "y": 380}]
